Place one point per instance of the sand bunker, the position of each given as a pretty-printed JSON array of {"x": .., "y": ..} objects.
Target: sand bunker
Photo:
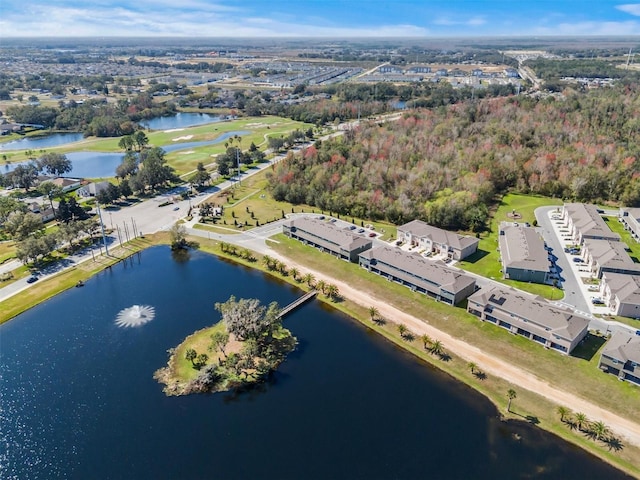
[
  {"x": 174, "y": 130},
  {"x": 186, "y": 137},
  {"x": 187, "y": 152}
]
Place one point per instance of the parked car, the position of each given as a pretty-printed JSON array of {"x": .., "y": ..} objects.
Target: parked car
[
  {"x": 597, "y": 301},
  {"x": 176, "y": 208},
  {"x": 32, "y": 279},
  {"x": 593, "y": 288},
  {"x": 372, "y": 234},
  {"x": 577, "y": 259},
  {"x": 361, "y": 230},
  {"x": 321, "y": 217},
  {"x": 333, "y": 220},
  {"x": 352, "y": 227}
]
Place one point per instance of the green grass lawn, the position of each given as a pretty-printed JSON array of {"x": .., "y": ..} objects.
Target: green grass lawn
[
  {"x": 616, "y": 226},
  {"x": 7, "y": 251},
  {"x": 486, "y": 261},
  {"x": 182, "y": 369}
]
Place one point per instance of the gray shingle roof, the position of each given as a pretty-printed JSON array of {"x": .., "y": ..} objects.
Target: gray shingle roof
[
  {"x": 329, "y": 232},
  {"x": 623, "y": 346},
  {"x": 625, "y": 287},
  {"x": 522, "y": 247},
  {"x": 533, "y": 308},
  {"x": 437, "y": 235},
  {"x": 588, "y": 221},
  {"x": 449, "y": 279},
  {"x": 610, "y": 254}
]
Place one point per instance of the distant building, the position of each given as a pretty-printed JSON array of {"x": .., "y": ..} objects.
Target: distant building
[
  {"x": 441, "y": 72},
  {"x": 511, "y": 73},
  {"x": 523, "y": 253},
  {"x": 608, "y": 256},
  {"x": 584, "y": 221},
  {"x": 434, "y": 239},
  {"x": 621, "y": 357},
  {"x": 420, "y": 69},
  {"x": 424, "y": 276},
  {"x": 477, "y": 72},
  {"x": 630, "y": 218},
  {"x": 530, "y": 316},
  {"x": 621, "y": 293},
  {"x": 327, "y": 237}
]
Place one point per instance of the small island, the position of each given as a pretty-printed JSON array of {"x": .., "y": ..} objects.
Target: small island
[{"x": 242, "y": 349}]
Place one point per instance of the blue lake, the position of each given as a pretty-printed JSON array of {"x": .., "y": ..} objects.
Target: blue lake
[
  {"x": 78, "y": 401},
  {"x": 180, "y": 120},
  {"x": 37, "y": 143},
  {"x": 102, "y": 164}
]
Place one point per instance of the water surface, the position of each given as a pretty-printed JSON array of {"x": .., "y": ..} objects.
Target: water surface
[
  {"x": 180, "y": 120},
  {"x": 37, "y": 143},
  {"x": 77, "y": 398}
]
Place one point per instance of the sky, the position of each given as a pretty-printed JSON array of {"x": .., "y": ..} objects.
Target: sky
[{"x": 317, "y": 18}]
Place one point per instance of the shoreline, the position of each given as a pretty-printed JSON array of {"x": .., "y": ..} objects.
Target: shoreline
[{"x": 485, "y": 362}]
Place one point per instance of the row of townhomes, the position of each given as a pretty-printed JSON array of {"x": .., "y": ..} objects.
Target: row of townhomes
[
  {"x": 438, "y": 241},
  {"x": 433, "y": 278},
  {"x": 521, "y": 313},
  {"x": 606, "y": 255},
  {"x": 523, "y": 253},
  {"x": 607, "y": 258},
  {"x": 529, "y": 315}
]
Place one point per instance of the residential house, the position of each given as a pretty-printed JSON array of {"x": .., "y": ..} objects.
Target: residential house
[
  {"x": 584, "y": 221},
  {"x": 529, "y": 315},
  {"x": 621, "y": 293},
  {"x": 608, "y": 256},
  {"x": 436, "y": 240},
  {"x": 523, "y": 253},
  {"x": 630, "y": 218},
  {"x": 327, "y": 237},
  {"x": 92, "y": 189},
  {"x": 66, "y": 184},
  {"x": 435, "y": 279},
  {"x": 621, "y": 357}
]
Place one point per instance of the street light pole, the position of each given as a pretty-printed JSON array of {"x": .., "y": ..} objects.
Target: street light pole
[{"x": 104, "y": 238}]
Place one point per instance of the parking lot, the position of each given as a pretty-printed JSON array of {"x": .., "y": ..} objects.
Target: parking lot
[{"x": 586, "y": 284}]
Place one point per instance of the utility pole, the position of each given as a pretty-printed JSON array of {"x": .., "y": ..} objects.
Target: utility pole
[{"x": 104, "y": 238}]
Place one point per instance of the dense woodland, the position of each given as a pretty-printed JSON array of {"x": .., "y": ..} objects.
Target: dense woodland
[
  {"x": 449, "y": 164},
  {"x": 94, "y": 117}
]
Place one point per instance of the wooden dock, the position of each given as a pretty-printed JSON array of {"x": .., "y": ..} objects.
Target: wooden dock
[{"x": 296, "y": 303}]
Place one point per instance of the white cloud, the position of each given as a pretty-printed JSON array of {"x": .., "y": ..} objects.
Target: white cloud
[
  {"x": 630, "y": 8},
  {"x": 590, "y": 28},
  {"x": 104, "y": 20},
  {"x": 471, "y": 22}
]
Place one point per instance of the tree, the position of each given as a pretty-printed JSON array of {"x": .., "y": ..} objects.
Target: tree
[
  {"x": 20, "y": 225},
  {"x": 219, "y": 341},
  {"x": 564, "y": 412},
  {"x": 178, "y": 236},
  {"x": 309, "y": 279},
  {"x": 402, "y": 329},
  {"x": 140, "y": 139},
  {"x": 247, "y": 318},
  {"x": 321, "y": 286},
  {"x": 472, "y": 366},
  {"x": 201, "y": 360},
  {"x": 125, "y": 188},
  {"x": 581, "y": 420},
  {"x": 155, "y": 171},
  {"x": 268, "y": 262},
  {"x": 332, "y": 291},
  {"x": 373, "y": 313},
  {"x": 511, "y": 395},
  {"x": 23, "y": 176},
  {"x": 295, "y": 273},
  {"x": 201, "y": 176},
  {"x": 437, "y": 348},
  {"x": 126, "y": 143},
  {"x": 190, "y": 354},
  {"x": 599, "y": 430},
  {"x": 426, "y": 341},
  {"x": 49, "y": 190},
  {"x": 129, "y": 165},
  {"x": 54, "y": 164}
]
